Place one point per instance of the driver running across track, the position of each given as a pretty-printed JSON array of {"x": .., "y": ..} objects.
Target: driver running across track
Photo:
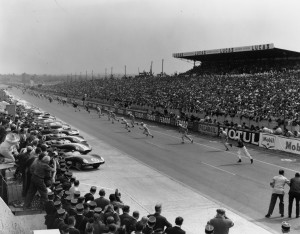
[
  {"x": 146, "y": 130},
  {"x": 124, "y": 121},
  {"x": 113, "y": 117},
  {"x": 184, "y": 131},
  {"x": 224, "y": 138}
]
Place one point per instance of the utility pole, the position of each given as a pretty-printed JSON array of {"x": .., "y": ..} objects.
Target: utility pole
[
  {"x": 86, "y": 74},
  {"x": 105, "y": 72},
  {"x": 162, "y": 67},
  {"x": 92, "y": 75},
  {"x": 125, "y": 70},
  {"x": 111, "y": 72}
]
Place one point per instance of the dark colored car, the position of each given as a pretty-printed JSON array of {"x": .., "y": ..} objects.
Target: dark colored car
[
  {"x": 66, "y": 145},
  {"x": 80, "y": 161}
]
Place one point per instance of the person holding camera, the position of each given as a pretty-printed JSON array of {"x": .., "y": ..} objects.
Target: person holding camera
[{"x": 221, "y": 222}]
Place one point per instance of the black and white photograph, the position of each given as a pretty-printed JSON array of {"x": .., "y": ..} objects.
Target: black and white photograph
[{"x": 149, "y": 116}]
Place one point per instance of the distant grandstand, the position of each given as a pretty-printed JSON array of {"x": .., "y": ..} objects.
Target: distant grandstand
[{"x": 245, "y": 59}]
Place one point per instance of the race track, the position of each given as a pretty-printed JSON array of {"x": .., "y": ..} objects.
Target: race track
[{"x": 204, "y": 166}]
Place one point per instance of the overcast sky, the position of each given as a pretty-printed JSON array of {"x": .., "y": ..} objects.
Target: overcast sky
[{"x": 72, "y": 36}]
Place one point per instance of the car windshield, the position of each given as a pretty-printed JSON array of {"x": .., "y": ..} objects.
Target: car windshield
[{"x": 55, "y": 127}]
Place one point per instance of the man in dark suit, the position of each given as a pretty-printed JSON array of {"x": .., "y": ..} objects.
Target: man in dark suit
[
  {"x": 90, "y": 196},
  {"x": 127, "y": 219},
  {"x": 50, "y": 210},
  {"x": 161, "y": 221},
  {"x": 102, "y": 202},
  {"x": 176, "y": 229}
]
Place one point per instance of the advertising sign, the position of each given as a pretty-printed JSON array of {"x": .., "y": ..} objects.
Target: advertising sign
[
  {"x": 246, "y": 136},
  {"x": 208, "y": 129}
]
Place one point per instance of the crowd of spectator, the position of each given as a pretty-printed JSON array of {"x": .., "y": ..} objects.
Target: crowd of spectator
[
  {"x": 269, "y": 95},
  {"x": 49, "y": 184}
]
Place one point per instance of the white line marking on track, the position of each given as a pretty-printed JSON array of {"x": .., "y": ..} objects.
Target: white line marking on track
[
  {"x": 228, "y": 152},
  {"x": 217, "y": 168}
]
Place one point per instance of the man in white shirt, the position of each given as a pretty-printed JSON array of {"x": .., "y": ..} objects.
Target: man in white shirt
[{"x": 277, "y": 184}]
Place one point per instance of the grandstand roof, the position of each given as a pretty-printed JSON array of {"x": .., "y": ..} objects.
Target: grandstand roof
[{"x": 264, "y": 51}]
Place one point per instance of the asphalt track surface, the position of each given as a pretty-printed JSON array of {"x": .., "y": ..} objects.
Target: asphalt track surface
[{"x": 203, "y": 166}]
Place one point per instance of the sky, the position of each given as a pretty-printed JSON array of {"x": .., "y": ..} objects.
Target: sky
[{"x": 79, "y": 36}]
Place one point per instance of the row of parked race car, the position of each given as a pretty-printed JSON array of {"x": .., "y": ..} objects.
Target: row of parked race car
[{"x": 67, "y": 141}]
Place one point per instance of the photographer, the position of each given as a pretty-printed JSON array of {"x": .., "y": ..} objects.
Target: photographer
[{"x": 221, "y": 222}]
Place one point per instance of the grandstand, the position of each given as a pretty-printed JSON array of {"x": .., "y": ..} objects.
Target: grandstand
[{"x": 245, "y": 59}]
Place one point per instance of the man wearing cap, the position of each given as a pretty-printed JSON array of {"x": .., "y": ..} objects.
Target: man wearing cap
[
  {"x": 161, "y": 221},
  {"x": 60, "y": 220},
  {"x": 50, "y": 210},
  {"x": 91, "y": 212},
  {"x": 101, "y": 201},
  {"x": 72, "y": 211},
  {"x": 177, "y": 228},
  {"x": 58, "y": 193},
  {"x": 90, "y": 196},
  {"x": 294, "y": 193},
  {"x": 209, "y": 229},
  {"x": 277, "y": 183},
  {"x": 221, "y": 223},
  {"x": 40, "y": 170},
  {"x": 148, "y": 229},
  {"x": 285, "y": 227},
  {"x": 81, "y": 220}
]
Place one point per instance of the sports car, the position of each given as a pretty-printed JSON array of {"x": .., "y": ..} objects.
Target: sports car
[
  {"x": 53, "y": 136},
  {"x": 66, "y": 145},
  {"x": 80, "y": 161}
]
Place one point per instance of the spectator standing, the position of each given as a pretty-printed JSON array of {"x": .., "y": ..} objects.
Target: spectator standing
[
  {"x": 161, "y": 221},
  {"x": 177, "y": 228},
  {"x": 294, "y": 193},
  {"x": 90, "y": 196},
  {"x": 74, "y": 188},
  {"x": 126, "y": 219},
  {"x": 101, "y": 201},
  {"x": 277, "y": 184},
  {"x": 40, "y": 170},
  {"x": 221, "y": 223}
]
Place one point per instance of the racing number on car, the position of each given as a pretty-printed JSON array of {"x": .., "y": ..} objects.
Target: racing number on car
[{"x": 94, "y": 160}]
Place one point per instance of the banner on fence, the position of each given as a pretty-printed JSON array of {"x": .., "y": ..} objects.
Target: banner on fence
[
  {"x": 246, "y": 136},
  {"x": 208, "y": 129}
]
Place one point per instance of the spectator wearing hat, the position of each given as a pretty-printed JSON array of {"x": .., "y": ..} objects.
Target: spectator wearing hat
[
  {"x": 209, "y": 229},
  {"x": 81, "y": 220},
  {"x": 285, "y": 227},
  {"x": 294, "y": 193},
  {"x": 90, "y": 196},
  {"x": 91, "y": 212},
  {"x": 143, "y": 221},
  {"x": 277, "y": 184},
  {"x": 221, "y": 223},
  {"x": 71, "y": 225},
  {"x": 149, "y": 228},
  {"x": 67, "y": 204},
  {"x": 86, "y": 208},
  {"x": 40, "y": 170},
  {"x": 127, "y": 220},
  {"x": 59, "y": 222},
  {"x": 50, "y": 210},
  {"x": 101, "y": 201},
  {"x": 75, "y": 189},
  {"x": 177, "y": 228},
  {"x": 66, "y": 183},
  {"x": 161, "y": 221},
  {"x": 58, "y": 193},
  {"x": 72, "y": 211}
]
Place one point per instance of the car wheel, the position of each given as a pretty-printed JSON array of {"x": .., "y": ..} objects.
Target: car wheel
[
  {"x": 96, "y": 166},
  {"x": 78, "y": 166}
]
